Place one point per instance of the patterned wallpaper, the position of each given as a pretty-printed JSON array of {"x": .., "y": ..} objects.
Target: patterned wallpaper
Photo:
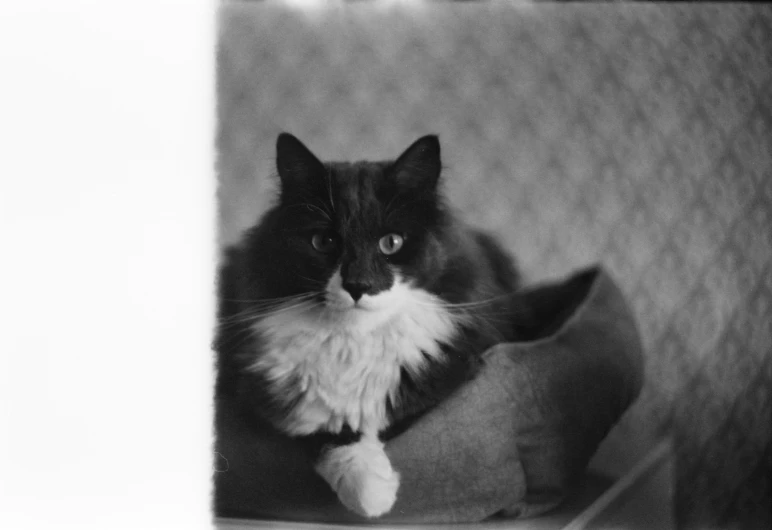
[{"x": 635, "y": 135}]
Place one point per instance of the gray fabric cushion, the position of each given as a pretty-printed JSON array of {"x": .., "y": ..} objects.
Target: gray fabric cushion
[{"x": 511, "y": 442}]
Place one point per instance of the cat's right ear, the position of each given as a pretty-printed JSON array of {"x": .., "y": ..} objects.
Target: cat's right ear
[
  {"x": 418, "y": 168},
  {"x": 297, "y": 166}
]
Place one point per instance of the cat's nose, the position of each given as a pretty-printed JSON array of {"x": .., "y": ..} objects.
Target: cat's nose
[{"x": 356, "y": 289}]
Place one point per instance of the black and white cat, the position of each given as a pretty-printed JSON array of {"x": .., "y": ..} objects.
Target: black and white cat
[{"x": 357, "y": 303}]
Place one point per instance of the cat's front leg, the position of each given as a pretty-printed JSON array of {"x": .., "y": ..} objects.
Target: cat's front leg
[{"x": 361, "y": 475}]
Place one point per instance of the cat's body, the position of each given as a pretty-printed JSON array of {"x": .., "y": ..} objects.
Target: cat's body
[{"x": 356, "y": 304}]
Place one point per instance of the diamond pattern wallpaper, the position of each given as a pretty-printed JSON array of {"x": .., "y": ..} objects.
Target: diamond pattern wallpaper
[{"x": 635, "y": 135}]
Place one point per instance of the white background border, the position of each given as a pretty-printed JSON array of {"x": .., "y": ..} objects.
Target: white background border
[{"x": 106, "y": 285}]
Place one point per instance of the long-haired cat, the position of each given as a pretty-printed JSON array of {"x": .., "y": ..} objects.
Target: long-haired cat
[{"x": 357, "y": 303}]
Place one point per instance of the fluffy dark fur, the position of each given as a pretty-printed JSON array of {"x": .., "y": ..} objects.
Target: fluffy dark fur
[{"x": 349, "y": 207}]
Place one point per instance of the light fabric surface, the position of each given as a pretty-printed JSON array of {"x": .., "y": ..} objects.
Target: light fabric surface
[{"x": 637, "y": 135}]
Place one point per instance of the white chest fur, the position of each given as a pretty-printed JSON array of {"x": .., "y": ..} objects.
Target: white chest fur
[{"x": 345, "y": 363}]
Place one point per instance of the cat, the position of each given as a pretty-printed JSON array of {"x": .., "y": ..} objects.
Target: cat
[{"x": 357, "y": 303}]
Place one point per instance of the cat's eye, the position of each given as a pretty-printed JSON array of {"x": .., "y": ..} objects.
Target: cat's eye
[
  {"x": 324, "y": 242},
  {"x": 391, "y": 243}
]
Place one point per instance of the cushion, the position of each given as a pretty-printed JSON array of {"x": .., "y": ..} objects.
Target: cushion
[{"x": 512, "y": 442}]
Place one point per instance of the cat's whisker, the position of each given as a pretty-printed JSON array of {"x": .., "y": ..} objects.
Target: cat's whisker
[
  {"x": 468, "y": 305},
  {"x": 254, "y": 315},
  {"x": 279, "y": 299},
  {"x": 313, "y": 208},
  {"x": 312, "y": 280},
  {"x": 329, "y": 188},
  {"x": 252, "y": 312},
  {"x": 248, "y": 321},
  {"x": 301, "y": 305},
  {"x": 482, "y": 310},
  {"x": 483, "y": 302}
]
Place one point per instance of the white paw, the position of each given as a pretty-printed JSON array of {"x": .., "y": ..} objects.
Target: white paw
[{"x": 362, "y": 476}]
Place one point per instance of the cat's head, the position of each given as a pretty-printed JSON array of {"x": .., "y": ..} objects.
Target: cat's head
[{"x": 358, "y": 235}]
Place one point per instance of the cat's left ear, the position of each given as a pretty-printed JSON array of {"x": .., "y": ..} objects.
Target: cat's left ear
[{"x": 418, "y": 168}]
